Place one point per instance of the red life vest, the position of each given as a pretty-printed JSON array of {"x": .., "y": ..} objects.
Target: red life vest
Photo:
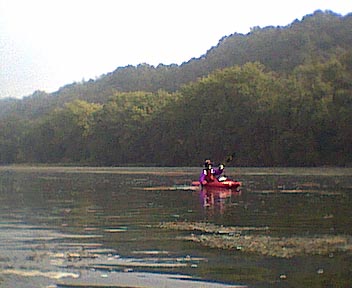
[{"x": 209, "y": 174}]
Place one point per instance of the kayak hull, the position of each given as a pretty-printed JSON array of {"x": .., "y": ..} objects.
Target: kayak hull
[{"x": 227, "y": 184}]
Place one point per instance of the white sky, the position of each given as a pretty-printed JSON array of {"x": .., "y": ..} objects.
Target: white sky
[{"x": 46, "y": 44}]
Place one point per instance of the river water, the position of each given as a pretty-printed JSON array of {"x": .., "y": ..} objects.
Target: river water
[{"x": 101, "y": 227}]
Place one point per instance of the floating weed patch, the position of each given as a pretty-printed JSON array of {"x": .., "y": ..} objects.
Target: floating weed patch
[
  {"x": 209, "y": 228},
  {"x": 35, "y": 273},
  {"x": 275, "y": 246},
  {"x": 283, "y": 247}
]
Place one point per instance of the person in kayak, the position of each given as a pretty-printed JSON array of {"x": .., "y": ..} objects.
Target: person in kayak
[{"x": 209, "y": 173}]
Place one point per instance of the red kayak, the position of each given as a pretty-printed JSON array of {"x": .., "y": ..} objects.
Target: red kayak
[{"x": 226, "y": 183}]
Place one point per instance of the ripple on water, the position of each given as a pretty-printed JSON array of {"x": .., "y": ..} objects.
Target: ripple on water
[{"x": 57, "y": 259}]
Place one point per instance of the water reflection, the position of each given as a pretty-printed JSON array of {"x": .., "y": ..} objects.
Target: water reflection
[
  {"x": 102, "y": 222},
  {"x": 215, "y": 200}
]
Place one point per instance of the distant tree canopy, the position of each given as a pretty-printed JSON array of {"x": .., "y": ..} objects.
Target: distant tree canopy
[{"x": 277, "y": 96}]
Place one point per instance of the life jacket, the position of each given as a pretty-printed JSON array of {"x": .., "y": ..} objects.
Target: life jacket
[{"x": 209, "y": 174}]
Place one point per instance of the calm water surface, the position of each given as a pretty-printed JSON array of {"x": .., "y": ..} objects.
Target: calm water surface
[{"x": 68, "y": 227}]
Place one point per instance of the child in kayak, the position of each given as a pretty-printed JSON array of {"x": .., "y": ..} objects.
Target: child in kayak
[{"x": 209, "y": 173}]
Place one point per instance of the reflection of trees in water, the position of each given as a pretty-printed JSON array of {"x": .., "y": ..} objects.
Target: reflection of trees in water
[{"x": 11, "y": 189}]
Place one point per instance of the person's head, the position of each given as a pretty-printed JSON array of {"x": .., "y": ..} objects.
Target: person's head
[{"x": 208, "y": 164}]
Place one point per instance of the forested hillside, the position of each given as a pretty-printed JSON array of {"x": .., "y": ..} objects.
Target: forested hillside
[{"x": 276, "y": 96}]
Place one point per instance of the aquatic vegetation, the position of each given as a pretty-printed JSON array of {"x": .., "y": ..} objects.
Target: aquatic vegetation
[
  {"x": 208, "y": 227},
  {"x": 35, "y": 273},
  {"x": 284, "y": 247}
]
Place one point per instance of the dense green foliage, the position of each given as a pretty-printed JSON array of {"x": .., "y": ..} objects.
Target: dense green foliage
[
  {"x": 304, "y": 119},
  {"x": 277, "y": 96},
  {"x": 315, "y": 38}
]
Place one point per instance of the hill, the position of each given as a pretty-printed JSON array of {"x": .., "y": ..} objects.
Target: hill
[
  {"x": 276, "y": 96},
  {"x": 316, "y": 37}
]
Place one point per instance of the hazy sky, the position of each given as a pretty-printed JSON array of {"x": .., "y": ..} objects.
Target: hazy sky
[{"x": 46, "y": 44}]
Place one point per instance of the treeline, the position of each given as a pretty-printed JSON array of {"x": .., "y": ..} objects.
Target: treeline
[
  {"x": 317, "y": 37},
  {"x": 269, "y": 119}
]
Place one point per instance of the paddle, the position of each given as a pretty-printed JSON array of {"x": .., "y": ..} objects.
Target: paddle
[{"x": 230, "y": 158}]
